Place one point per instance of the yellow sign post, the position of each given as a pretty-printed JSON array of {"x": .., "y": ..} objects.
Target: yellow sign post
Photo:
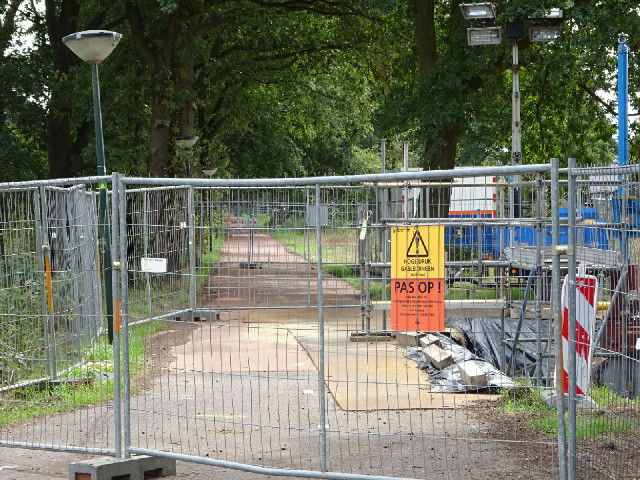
[{"x": 417, "y": 278}]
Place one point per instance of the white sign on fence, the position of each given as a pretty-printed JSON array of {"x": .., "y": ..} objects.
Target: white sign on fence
[{"x": 154, "y": 265}]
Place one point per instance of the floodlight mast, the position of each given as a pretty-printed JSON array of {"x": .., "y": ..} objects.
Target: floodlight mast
[{"x": 516, "y": 129}]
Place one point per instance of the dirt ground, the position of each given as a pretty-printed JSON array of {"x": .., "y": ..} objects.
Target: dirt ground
[{"x": 246, "y": 389}]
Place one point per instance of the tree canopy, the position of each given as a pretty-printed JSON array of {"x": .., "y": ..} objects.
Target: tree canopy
[{"x": 303, "y": 87}]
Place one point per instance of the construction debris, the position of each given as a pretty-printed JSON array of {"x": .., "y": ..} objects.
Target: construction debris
[
  {"x": 471, "y": 373},
  {"x": 437, "y": 356},
  {"x": 408, "y": 339}
]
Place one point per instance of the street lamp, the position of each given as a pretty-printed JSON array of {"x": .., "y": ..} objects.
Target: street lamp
[
  {"x": 93, "y": 46},
  {"x": 185, "y": 143}
]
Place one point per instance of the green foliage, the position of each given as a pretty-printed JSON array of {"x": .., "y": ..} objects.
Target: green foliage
[{"x": 307, "y": 88}]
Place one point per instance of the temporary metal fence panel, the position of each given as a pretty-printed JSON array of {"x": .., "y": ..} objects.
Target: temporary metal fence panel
[
  {"x": 604, "y": 420},
  {"x": 56, "y": 374},
  {"x": 276, "y": 354},
  {"x": 269, "y": 326}
]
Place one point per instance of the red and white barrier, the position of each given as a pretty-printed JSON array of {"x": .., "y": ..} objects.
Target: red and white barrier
[{"x": 586, "y": 301}]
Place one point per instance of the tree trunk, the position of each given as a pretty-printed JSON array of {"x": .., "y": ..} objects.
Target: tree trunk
[
  {"x": 64, "y": 157},
  {"x": 158, "y": 161},
  {"x": 425, "y": 34},
  {"x": 64, "y": 151},
  {"x": 442, "y": 157}
]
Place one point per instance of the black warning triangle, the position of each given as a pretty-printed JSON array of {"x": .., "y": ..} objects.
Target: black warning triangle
[{"x": 417, "y": 248}]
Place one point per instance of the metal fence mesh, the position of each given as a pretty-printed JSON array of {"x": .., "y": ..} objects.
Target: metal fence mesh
[
  {"x": 52, "y": 360},
  {"x": 607, "y": 419},
  {"x": 279, "y": 325},
  {"x": 242, "y": 372}
]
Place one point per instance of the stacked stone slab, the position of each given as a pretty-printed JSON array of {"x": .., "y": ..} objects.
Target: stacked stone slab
[
  {"x": 471, "y": 373},
  {"x": 437, "y": 356},
  {"x": 409, "y": 339}
]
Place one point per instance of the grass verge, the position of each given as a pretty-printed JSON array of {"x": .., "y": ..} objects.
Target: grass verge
[
  {"x": 91, "y": 383},
  {"x": 525, "y": 399}
]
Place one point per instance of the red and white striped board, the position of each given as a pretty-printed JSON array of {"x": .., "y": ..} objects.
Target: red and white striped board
[{"x": 586, "y": 301}]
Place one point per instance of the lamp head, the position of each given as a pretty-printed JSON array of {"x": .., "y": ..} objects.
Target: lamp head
[
  {"x": 186, "y": 142},
  {"x": 92, "y": 46},
  {"x": 482, "y": 11},
  {"x": 484, "y": 36}
]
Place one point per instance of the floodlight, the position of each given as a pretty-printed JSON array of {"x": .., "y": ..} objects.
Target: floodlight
[
  {"x": 544, "y": 34},
  {"x": 483, "y": 11},
  {"x": 484, "y": 36},
  {"x": 552, "y": 13},
  {"x": 186, "y": 142},
  {"x": 92, "y": 46}
]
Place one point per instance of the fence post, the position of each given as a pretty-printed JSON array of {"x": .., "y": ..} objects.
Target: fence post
[
  {"x": 557, "y": 318},
  {"x": 145, "y": 240},
  {"x": 116, "y": 257},
  {"x": 626, "y": 287},
  {"x": 192, "y": 250},
  {"x": 538, "y": 287},
  {"x": 43, "y": 279},
  {"x": 321, "y": 393},
  {"x": 572, "y": 318},
  {"x": 49, "y": 332},
  {"x": 124, "y": 314}
]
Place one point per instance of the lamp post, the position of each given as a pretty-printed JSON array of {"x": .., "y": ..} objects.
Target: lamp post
[
  {"x": 185, "y": 143},
  {"x": 93, "y": 46}
]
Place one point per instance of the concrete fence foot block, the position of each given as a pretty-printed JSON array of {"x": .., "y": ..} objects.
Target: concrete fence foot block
[{"x": 134, "y": 468}]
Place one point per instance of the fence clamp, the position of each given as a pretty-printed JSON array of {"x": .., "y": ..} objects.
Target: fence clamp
[
  {"x": 562, "y": 250},
  {"x": 116, "y": 265}
]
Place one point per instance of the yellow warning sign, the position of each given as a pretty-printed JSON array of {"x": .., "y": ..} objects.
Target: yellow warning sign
[
  {"x": 417, "y": 252},
  {"x": 102, "y": 185},
  {"x": 417, "y": 278}
]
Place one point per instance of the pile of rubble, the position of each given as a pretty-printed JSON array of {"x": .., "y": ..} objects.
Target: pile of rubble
[{"x": 451, "y": 366}]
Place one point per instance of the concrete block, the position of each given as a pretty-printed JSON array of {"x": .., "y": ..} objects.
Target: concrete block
[
  {"x": 430, "y": 339},
  {"x": 472, "y": 374},
  {"x": 437, "y": 356},
  {"x": 134, "y": 468},
  {"x": 408, "y": 339}
]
